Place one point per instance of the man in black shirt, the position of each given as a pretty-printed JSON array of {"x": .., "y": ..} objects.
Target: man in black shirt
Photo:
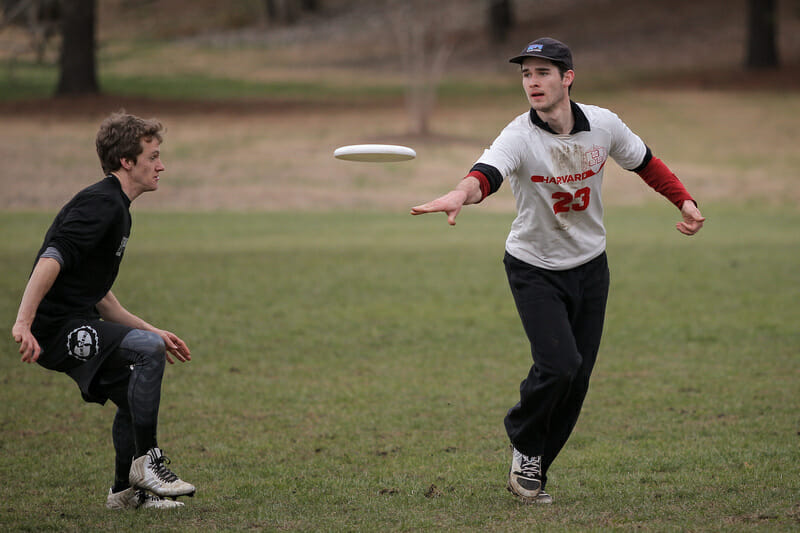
[{"x": 70, "y": 321}]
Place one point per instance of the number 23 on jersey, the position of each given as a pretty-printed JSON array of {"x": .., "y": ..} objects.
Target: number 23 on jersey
[{"x": 576, "y": 202}]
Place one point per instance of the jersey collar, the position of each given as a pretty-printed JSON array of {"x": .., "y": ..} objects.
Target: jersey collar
[
  {"x": 581, "y": 122},
  {"x": 115, "y": 180}
]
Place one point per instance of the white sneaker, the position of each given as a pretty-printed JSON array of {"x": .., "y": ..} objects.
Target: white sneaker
[
  {"x": 525, "y": 476},
  {"x": 131, "y": 498},
  {"x": 150, "y": 472}
]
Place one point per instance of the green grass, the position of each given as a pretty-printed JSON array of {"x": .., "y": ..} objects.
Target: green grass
[
  {"x": 351, "y": 372},
  {"x": 20, "y": 80},
  {"x": 25, "y": 80},
  {"x": 200, "y": 87}
]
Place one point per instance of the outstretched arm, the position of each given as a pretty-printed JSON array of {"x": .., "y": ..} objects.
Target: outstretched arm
[
  {"x": 112, "y": 310},
  {"x": 468, "y": 191},
  {"x": 42, "y": 278},
  {"x": 656, "y": 174}
]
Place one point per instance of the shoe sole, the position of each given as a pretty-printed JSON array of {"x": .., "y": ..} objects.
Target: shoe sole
[
  {"x": 145, "y": 506},
  {"x": 176, "y": 505},
  {"x": 528, "y": 500},
  {"x": 531, "y": 500},
  {"x": 172, "y": 494}
]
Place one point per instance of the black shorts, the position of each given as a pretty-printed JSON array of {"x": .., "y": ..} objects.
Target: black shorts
[{"x": 80, "y": 348}]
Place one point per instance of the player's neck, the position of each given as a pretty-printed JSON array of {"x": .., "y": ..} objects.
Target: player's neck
[
  {"x": 558, "y": 117},
  {"x": 127, "y": 184}
]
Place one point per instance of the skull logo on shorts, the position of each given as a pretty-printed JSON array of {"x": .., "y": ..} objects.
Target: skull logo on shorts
[{"x": 83, "y": 343}]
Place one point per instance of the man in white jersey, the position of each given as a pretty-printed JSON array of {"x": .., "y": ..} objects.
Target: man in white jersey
[{"x": 553, "y": 157}]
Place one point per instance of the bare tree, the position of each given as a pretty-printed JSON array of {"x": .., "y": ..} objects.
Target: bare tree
[
  {"x": 287, "y": 12},
  {"x": 425, "y": 47},
  {"x": 39, "y": 17},
  {"x": 762, "y": 34},
  {"x": 43, "y": 21},
  {"x": 77, "y": 65},
  {"x": 281, "y": 11}
]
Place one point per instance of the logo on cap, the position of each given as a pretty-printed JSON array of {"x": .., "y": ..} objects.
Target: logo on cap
[{"x": 534, "y": 48}]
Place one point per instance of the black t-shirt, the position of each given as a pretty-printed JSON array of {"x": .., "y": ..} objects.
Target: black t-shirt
[{"x": 90, "y": 233}]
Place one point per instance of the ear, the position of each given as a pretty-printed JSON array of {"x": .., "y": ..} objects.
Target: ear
[
  {"x": 126, "y": 163},
  {"x": 569, "y": 77}
]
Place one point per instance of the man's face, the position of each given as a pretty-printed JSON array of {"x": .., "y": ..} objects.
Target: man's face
[
  {"x": 543, "y": 84},
  {"x": 144, "y": 173}
]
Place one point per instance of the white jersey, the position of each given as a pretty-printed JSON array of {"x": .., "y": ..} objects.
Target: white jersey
[{"x": 556, "y": 181}]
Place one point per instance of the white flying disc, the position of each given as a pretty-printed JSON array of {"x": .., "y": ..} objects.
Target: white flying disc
[{"x": 375, "y": 153}]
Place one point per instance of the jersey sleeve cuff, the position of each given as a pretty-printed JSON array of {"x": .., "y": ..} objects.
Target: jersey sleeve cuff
[
  {"x": 52, "y": 253},
  {"x": 483, "y": 181}
]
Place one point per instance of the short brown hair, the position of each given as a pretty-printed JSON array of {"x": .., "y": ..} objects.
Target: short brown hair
[{"x": 120, "y": 136}]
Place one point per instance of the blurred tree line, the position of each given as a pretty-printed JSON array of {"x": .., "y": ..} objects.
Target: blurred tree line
[{"x": 75, "y": 22}]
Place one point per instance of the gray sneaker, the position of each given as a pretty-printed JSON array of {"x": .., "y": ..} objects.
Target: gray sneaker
[
  {"x": 150, "y": 472},
  {"x": 525, "y": 475},
  {"x": 132, "y": 498}
]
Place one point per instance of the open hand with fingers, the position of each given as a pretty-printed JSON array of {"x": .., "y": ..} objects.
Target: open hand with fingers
[
  {"x": 28, "y": 345},
  {"x": 451, "y": 204},
  {"x": 175, "y": 346}
]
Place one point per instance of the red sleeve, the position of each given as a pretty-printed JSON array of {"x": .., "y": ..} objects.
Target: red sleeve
[
  {"x": 659, "y": 177},
  {"x": 484, "y": 181}
]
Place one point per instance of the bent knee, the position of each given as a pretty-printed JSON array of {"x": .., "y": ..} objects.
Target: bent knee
[{"x": 145, "y": 343}]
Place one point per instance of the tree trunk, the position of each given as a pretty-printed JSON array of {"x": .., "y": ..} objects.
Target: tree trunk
[
  {"x": 762, "y": 51},
  {"x": 283, "y": 12},
  {"x": 501, "y": 19},
  {"x": 424, "y": 45},
  {"x": 77, "y": 69}
]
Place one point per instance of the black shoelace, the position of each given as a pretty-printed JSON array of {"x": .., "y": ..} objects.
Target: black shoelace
[{"x": 161, "y": 470}]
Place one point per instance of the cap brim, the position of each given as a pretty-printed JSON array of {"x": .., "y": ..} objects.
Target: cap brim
[{"x": 519, "y": 59}]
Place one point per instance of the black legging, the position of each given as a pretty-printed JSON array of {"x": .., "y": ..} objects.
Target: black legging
[{"x": 131, "y": 378}]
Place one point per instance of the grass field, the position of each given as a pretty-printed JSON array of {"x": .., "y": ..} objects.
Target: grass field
[
  {"x": 352, "y": 364},
  {"x": 351, "y": 372}
]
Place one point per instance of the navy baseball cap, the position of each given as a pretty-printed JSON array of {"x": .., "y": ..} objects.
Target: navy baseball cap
[{"x": 546, "y": 48}]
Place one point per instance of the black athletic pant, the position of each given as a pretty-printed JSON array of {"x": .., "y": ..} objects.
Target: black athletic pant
[
  {"x": 562, "y": 313},
  {"x": 131, "y": 378}
]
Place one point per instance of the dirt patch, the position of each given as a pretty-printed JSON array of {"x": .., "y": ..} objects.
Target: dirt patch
[{"x": 267, "y": 157}]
